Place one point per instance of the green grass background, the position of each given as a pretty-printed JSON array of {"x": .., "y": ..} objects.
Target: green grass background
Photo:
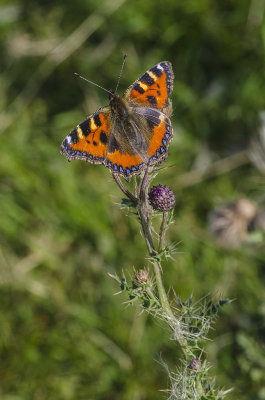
[{"x": 63, "y": 335}]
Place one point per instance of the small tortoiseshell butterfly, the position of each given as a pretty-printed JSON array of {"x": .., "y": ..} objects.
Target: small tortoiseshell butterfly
[{"x": 131, "y": 133}]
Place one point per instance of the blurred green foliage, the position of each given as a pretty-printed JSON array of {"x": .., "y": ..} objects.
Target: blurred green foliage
[{"x": 63, "y": 333}]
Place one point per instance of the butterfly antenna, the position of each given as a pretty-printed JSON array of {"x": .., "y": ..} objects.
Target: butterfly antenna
[
  {"x": 93, "y": 83},
  {"x": 122, "y": 66}
]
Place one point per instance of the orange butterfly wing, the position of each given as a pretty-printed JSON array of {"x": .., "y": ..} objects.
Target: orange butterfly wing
[
  {"x": 122, "y": 158},
  {"x": 160, "y": 133},
  {"x": 153, "y": 88},
  {"x": 89, "y": 140},
  {"x": 124, "y": 164},
  {"x": 149, "y": 97}
]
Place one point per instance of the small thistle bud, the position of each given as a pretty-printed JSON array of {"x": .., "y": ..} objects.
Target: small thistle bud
[
  {"x": 141, "y": 276},
  {"x": 161, "y": 198},
  {"x": 195, "y": 364}
]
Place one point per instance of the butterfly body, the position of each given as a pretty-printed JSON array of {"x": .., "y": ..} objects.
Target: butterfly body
[{"x": 131, "y": 133}]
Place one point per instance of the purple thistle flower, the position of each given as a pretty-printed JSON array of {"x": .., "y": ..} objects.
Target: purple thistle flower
[{"x": 161, "y": 198}]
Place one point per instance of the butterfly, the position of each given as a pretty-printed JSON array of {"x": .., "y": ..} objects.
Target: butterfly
[{"x": 133, "y": 131}]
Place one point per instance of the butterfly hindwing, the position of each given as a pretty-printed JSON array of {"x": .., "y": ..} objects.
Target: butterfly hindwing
[
  {"x": 89, "y": 140},
  {"x": 149, "y": 134},
  {"x": 159, "y": 133},
  {"x": 153, "y": 88},
  {"x": 123, "y": 163},
  {"x": 125, "y": 149}
]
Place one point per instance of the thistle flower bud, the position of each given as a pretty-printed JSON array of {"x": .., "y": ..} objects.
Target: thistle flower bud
[
  {"x": 141, "y": 276},
  {"x": 161, "y": 198},
  {"x": 195, "y": 364}
]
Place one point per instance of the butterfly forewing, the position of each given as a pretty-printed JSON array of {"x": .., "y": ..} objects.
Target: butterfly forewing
[
  {"x": 153, "y": 88},
  {"x": 89, "y": 140}
]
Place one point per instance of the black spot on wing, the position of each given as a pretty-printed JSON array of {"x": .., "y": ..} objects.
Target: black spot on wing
[
  {"x": 157, "y": 71},
  {"x": 151, "y": 124},
  {"x": 94, "y": 143},
  {"x": 152, "y": 100},
  {"x": 103, "y": 137},
  {"x": 85, "y": 127},
  {"x": 97, "y": 120},
  {"x": 113, "y": 145},
  {"x": 74, "y": 137},
  {"x": 146, "y": 78},
  {"x": 138, "y": 88}
]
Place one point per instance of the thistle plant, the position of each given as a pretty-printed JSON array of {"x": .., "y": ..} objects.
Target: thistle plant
[
  {"x": 189, "y": 322},
  {"x": 118, "y": 136}
]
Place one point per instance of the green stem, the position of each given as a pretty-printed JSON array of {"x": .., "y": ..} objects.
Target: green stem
[
  {"x": 151, "y": 295},
  {"x": 144, "y": 219},
  {"x": 161, "y": 290},
  {"x": 162, "y": 231},
  {"x": 143, "y": 212},
  {"x": 167, "y": 312}
]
